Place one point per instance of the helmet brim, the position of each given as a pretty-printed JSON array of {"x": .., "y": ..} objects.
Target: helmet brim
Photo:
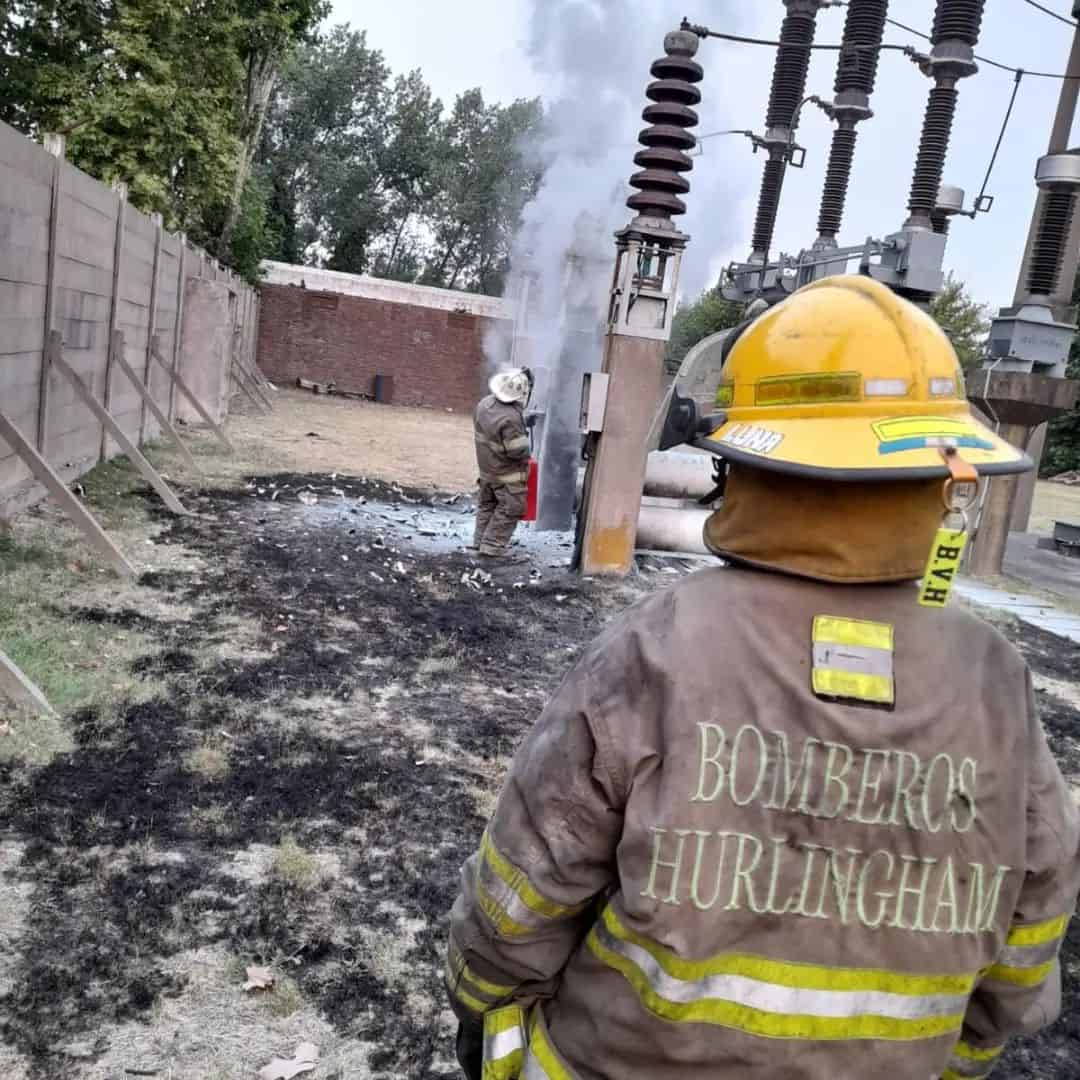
[{"x": 864, "y": 448}]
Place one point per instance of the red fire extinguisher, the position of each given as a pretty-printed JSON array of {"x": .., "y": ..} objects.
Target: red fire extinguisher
[{"x": 534, "y": 485}]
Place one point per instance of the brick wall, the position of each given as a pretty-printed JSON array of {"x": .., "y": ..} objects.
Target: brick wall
[{"x": 435, "y": 356}]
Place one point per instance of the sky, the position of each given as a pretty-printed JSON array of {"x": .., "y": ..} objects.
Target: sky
[{"x": 485, "y": 43}]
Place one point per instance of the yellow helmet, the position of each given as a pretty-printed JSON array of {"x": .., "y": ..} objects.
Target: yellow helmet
[{"x": 846, "y": 380}]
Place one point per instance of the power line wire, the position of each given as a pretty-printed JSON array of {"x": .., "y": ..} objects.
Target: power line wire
[
  {"x": 986, "y": 59},
  {"x": 997, "y": 146},
  {"x": 704, "y": 31},
  {"x": 1052, "y": 14}
]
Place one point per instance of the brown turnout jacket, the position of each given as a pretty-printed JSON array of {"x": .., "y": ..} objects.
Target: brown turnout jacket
[
  {"x": 502, "y": 441},
  {"x": 723, "y": 852}
]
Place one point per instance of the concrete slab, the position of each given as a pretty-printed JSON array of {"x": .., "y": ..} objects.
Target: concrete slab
[
  {"x": 1030, "y": 609},
  {"x": 1042, "y": 568}
]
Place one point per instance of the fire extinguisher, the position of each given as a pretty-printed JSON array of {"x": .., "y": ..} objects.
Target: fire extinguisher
[
  {"x": 532, "y": 491},
  {"x": 534, "y": 484}
]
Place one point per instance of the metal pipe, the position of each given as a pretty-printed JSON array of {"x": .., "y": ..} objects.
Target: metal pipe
[
  {"x": 670, "y": 474},
  {"x": 663, "y": 529}
]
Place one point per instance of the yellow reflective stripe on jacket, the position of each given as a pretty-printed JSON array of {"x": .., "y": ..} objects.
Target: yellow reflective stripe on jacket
[
  {"x": 504, "y": 1043},
  {"x": 508, "y": 898},
  {"x": 1029, "y": 953},
  {"x": 782, "y": 1000},
  {"x": 969, "y": 1063},
  {"x": 853, "y": 658},
  {"x": 1039, "y": 933},
  {"x": 542, "y": 1062},
  {"x": 476, "y": 993}
]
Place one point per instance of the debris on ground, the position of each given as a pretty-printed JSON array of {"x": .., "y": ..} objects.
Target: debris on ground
[
  {"x": 304, "y": 1060},
  {"x": 1071, "y": 477},
  {"x": 477, "y": 580},
  {"x": 258, "y": 978}
]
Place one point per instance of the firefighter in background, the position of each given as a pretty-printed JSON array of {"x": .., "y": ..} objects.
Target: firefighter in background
[
  {"x": 502, "y": 457},
  {"x": 786, "y": 819}
]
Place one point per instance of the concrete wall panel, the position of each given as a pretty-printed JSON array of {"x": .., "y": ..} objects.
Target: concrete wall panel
[{"x": 84, "y": 310}]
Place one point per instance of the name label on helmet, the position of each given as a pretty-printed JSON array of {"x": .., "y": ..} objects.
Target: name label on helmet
[{"x": 757, "y": 440}]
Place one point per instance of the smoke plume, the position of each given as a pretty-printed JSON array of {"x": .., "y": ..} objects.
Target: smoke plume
[{"x": 593, "y": 59}]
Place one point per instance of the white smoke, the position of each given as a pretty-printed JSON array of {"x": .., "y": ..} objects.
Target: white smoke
[{"x": 593, "y": 59}]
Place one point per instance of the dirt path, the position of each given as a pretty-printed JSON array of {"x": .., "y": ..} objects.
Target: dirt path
[
  {"x": 418, "y": 447},
  {"x": 277, "y": 748}
]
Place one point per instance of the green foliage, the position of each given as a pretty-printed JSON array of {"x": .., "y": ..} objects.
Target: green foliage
[
  {"x": 485, "y": 182},
  {"x": 963, "y": 320},
  {"x": 369, "y": 176},
  {"x": 708, "y": 314},
  {"x": 255, "y": 232},
  {"x": 159, "y": 94},
  {"x": 1062, "y": 453}
]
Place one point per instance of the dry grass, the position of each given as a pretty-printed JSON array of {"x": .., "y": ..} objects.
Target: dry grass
[
  {"x": 1054, "y": 502},
  {"x": 296, "y": 867},
  {"x": 354, "y": 437},
  {"x": 210, "y": 761}
]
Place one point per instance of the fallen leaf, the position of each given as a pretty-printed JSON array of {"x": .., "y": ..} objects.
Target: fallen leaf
[
  {"x": 304, "y": 1061},
  {"x": 258, "y": 978}
]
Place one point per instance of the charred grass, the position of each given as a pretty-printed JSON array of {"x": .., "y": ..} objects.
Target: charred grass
[
  {"x": 308, "y": 759},
  {"x": 306, "y": 750}
]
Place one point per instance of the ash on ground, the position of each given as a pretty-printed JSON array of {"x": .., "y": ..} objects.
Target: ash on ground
[{"x": 341, "y": 690}]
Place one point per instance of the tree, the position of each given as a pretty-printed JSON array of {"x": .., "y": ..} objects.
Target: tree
[
  {"x": 266, "y": 32},
  {"x": 324, "y": 133},
  {"x": 1062, "y": 451},
  {"x": 49, "y": 54},
  {"x": 485, "y": 182},
  {"x": 963, "y": 320},
  {"x": 708, "y": 314},
  {"x": 164, "y": 95}
]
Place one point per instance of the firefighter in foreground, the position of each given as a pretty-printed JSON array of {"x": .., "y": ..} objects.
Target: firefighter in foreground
[
  {"x": 502, "y": 456},
  {"x": 785, "y": 819}
]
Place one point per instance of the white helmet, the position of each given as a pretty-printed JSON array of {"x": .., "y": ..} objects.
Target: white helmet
[{"x": 510, "y": 386}]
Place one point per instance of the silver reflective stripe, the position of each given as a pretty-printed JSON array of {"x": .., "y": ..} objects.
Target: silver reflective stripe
[
  {"x": 974, "y": 1069},
  {"x": 774, "y": 998},
  {"x": 518, "y": 476},
  {"x": 1030, "y": 956},
  {"x": 509, "y": 901},
  {"x": 503, "y": 1044},
  {"x": 857, "y": 659},
  {"x": 520, "y": 442},
  {"x": 534, "y": 1070}
]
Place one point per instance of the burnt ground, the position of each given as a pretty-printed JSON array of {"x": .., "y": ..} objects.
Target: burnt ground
[
  {"x": 365, "y": 715},
  {"x": 334, "y": 709}
]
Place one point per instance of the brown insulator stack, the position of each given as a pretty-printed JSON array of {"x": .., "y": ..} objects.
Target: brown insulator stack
[{"x": 668, "y": 137}]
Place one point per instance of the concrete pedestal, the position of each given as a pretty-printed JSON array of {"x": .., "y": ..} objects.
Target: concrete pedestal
[
  {"x": 617, "y": 471},
  {"x": 1021, "y": 403}
]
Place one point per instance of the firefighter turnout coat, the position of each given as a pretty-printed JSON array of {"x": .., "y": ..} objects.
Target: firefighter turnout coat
[
  {"x": 502, "y": 441},
  {"x": 769, "y": 827}
]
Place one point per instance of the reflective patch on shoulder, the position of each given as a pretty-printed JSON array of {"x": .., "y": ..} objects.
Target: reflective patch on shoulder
[{"x": 853, "y": 660}]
